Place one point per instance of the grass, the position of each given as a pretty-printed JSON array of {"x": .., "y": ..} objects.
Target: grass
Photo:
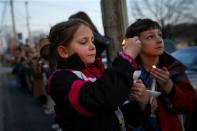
[
  {"x": 10, "y": 76},
  {"x": 7, "y": 65}
]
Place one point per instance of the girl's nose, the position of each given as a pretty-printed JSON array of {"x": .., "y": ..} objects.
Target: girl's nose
[{"x": 92, "y": 46}]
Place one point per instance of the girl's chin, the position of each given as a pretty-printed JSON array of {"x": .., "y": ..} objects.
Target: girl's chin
[{"x": 90, "y": 62}]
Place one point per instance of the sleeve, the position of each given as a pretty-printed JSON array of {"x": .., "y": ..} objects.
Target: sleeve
[
  {"x": 134, "y": 115},
  {"x": 182, "y": 96},
  {"x": 94, "y": 98}
]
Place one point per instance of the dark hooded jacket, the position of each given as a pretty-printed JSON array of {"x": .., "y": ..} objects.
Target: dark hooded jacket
[
  {"x": 87, "y": 97},
  {"x": 180, "y": 100}
]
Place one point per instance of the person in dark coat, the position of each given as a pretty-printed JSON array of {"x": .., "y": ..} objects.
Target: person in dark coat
[
  {"x": 158, "y": 67},
  {"x": 87, "y": 96}
]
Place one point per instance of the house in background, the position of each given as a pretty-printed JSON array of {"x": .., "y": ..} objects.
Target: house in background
[{"x": 183, "y": 35}]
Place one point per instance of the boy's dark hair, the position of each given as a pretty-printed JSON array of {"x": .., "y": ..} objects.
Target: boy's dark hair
[
  {"x": 141, "y": 25},
  {"x": 62, "y": 34}
]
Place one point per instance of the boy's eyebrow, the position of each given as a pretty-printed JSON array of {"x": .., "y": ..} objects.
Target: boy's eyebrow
[{"x": 151, "y": 31}]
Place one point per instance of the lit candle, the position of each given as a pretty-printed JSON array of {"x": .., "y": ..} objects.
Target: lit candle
[
  {"x": 154, "y": 66},
  {"x": 153, "y": 86},
  {"x": 123, "y": 43}
]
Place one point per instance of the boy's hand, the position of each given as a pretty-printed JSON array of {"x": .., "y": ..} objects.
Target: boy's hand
[{"x": 162, "y": 76}]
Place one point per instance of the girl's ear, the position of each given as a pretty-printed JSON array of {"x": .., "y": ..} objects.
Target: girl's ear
[{"x": 62, "y": 51}]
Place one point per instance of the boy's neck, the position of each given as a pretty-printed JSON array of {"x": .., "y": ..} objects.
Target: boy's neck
[{"x": 148, "y": 62}]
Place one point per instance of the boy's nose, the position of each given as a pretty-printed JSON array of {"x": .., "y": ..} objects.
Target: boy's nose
[{"x": 159, "y": 39}]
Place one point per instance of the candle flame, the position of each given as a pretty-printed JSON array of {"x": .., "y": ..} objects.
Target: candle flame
[
  {"x": 154, "y": 66},
  {"x": 123, "y": 42}
]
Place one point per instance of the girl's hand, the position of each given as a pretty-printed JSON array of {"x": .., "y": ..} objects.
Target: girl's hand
[
  {"x": 139, "y": 94},
  {"x": 162, "y": 76},
  {"x": 132, "y": 46}
]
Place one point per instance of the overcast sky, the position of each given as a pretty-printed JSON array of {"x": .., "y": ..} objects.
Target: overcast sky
[{"x": 45, "y": 13}]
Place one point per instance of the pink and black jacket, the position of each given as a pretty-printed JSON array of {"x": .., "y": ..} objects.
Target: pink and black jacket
[{"x": 87, "y": 97}]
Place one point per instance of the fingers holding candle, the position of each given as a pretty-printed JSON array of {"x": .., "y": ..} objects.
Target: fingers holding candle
[{"x": 162, "y": 76}]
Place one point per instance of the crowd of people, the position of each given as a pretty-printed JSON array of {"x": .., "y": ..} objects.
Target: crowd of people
[
  {"x": 66, "y": 74},
  {"x": 32, "y": 71}
]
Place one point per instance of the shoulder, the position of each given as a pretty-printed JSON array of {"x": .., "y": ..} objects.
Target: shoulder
[
  {"x": 62, "y": 76},
  {"x": 171, "y": 63}
]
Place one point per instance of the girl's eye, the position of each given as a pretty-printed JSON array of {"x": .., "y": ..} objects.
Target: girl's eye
[
  {"x": 83, "y": 42},
  {"x": 92, "y": 40}
]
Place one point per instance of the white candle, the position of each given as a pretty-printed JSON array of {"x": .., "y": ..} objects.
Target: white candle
[
  {"x": 153, "y": 86},
  {"x": 136, "y": 75}
]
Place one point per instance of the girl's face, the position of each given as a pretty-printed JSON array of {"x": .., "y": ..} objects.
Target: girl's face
[
  {"x": 82, "y": 44},
  {"x": 152, "y": 42}
]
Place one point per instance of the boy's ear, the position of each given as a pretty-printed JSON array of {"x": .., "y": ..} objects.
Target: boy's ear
[{"x": 62, "y": 51}]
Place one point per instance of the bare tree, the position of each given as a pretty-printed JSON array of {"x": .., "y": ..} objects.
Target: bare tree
[{"x": 166, "y": 12}]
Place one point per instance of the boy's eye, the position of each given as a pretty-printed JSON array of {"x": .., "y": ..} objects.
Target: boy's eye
[
  {"x": 150, "y": 37},
  {"x": 160, "y": 34},
  {"x": 154, "y": 36}
]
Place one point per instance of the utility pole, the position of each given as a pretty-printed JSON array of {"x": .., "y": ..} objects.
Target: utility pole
[
  {"x": 115, "y": 21},
  {"x": 13, "y": 22},
  {"x": 27, "y": 20},
  {"x": 3, "y": 16}
]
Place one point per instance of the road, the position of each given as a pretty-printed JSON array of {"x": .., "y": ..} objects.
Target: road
[{"x": 19, "y": 110}]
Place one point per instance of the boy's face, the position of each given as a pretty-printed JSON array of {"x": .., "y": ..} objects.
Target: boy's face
[
  {"x": 152, "y": 42},
  {"x": 83, "y": 45}
]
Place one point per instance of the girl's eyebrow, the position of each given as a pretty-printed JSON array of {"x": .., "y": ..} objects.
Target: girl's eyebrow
[
  {"x": 86, "y": 37},
  {"x": 83, "y": 37}
]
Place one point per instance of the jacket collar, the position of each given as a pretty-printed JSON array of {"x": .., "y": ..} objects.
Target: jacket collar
[
  {"x": 73, "y": 62},
  {"x": 174, "y": 66}
]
